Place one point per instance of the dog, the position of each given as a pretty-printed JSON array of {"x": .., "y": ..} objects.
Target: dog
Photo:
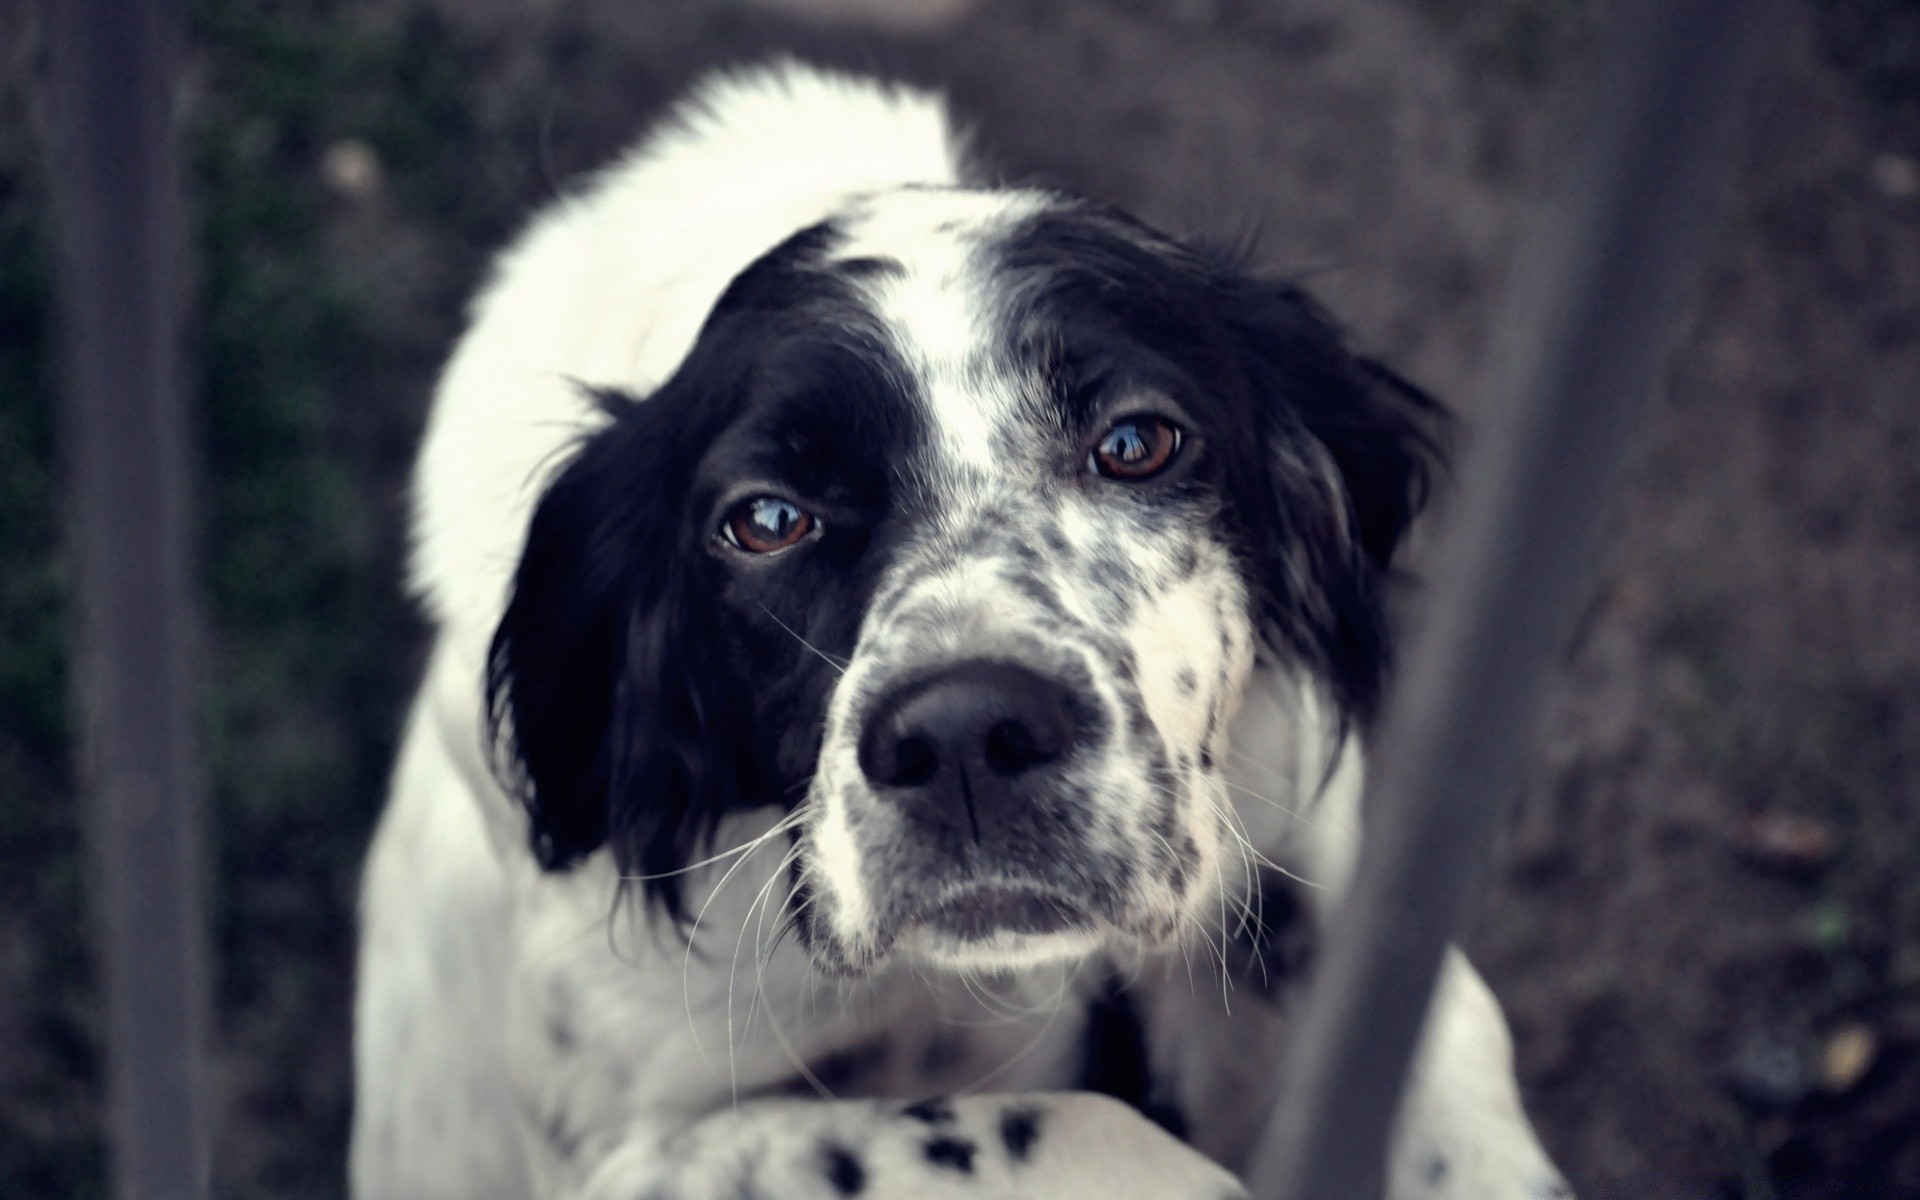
[{"x": 902, "y": 647}]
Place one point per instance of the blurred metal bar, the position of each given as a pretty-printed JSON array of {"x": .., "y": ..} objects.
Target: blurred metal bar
[
  {"x": 1649, "y": 142},
  {"x": 116, "y": 183}
]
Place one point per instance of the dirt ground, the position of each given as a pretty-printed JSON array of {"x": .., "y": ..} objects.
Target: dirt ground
[{"x": 1706, "y": 920}]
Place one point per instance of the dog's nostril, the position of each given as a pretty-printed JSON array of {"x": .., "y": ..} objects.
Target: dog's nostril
[
  {"x": 914, "y": 762},
  {"x": 940, "y": 738},
  {"x": 1011, "y": 749}
]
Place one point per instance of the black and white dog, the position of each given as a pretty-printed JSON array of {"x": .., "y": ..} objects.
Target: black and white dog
[{"x": 971, "y": 583}]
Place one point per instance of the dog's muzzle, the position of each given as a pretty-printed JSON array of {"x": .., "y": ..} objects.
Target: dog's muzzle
[{"x": 974, "y": 757}]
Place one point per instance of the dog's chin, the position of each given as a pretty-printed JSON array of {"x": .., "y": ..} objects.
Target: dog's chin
[
  {"x": 989, "y": 926},
  {"x": 1001, "y": 927}
]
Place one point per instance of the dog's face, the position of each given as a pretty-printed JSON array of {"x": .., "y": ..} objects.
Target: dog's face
[{"x": 957, "y": 534}]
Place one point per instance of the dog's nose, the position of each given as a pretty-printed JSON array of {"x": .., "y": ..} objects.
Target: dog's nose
[{"x": 968, "y": 737}]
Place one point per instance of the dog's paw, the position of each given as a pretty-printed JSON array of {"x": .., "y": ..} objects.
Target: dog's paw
[
  {"x": 1048, "y": 1146},
  {"x": 1096, "y": 1146}
]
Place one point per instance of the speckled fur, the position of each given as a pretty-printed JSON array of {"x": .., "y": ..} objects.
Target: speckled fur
[{"x": 524, "y": 1031}]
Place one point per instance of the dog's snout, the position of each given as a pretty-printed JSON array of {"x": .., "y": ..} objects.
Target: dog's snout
[{"x": 968, "y": 734}]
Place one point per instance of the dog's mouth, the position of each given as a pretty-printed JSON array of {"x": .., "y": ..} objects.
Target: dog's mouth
[
  {"x": 981, "y": 912},
  {"x": 1000, "y": 925},
  {"x": 995, "y": 923}
]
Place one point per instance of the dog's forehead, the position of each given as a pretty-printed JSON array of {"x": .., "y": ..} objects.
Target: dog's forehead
[{"x": 935, "y": 250}]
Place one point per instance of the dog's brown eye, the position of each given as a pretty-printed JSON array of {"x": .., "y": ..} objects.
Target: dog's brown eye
[
  {"x": 1136, "y": 448},
  {"x": 765, "y": 524}
]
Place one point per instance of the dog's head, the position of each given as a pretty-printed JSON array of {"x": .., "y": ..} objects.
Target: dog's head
[{"x": 957, "y": 534}]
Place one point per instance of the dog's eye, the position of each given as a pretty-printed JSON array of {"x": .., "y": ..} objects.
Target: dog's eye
[
  {"x": 1136, "y": 448},
  {"x": 765, "y": 524}
]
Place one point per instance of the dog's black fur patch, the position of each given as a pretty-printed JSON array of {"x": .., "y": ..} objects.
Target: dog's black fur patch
[
  {"x": 1115, "y": 1060},
  {"x": 1263, "y": 371},
  {"x": 1019, "y": 1130},
  {"x": 935, "y": 1110},
  {"x": 842, "y": 1168},
  {"x": 645, "y": 686},
  {"x": 955, "y": 1154}
]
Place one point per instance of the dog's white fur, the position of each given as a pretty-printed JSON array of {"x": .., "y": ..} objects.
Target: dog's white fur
[{"x": 512, "y": 1039}]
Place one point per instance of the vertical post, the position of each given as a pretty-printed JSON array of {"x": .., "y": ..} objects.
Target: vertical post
[
  {"x": 116, "y": 186},
  {"x": 1598, "y": 300}
]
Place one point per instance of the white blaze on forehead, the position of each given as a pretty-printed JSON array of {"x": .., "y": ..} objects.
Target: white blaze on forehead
[{"x": 936, "y": 307}]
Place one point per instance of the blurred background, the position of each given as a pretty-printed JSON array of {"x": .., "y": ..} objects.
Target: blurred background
[{"x": 1706, "y": 923}]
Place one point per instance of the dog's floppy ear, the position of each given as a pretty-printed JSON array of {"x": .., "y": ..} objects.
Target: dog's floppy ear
[
  {"x": 1351, "y": 450},
  {"x": 599, "y": 700}
]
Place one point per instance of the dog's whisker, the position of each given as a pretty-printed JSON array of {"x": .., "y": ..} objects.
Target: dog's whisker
[
  {"x": 784, "y": 825},
  {"x": 1050, "y": 1014},
  {"x": 1250, "y": 895},
  {"x": 829, "y": 659},
  {"x": 1292, "y": 813},
  {"x": 747, "y": 921},
  {"x": 686, "y": 965},
  {"x": 763, "y": 951}
]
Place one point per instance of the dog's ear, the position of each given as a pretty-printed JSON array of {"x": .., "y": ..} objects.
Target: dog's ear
[
  {"x": 1351, "y": 449},
  {"x": 599, "y": 696}
]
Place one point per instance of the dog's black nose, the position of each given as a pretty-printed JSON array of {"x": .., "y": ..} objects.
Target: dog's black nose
[{"x": 969, "y": 737}]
